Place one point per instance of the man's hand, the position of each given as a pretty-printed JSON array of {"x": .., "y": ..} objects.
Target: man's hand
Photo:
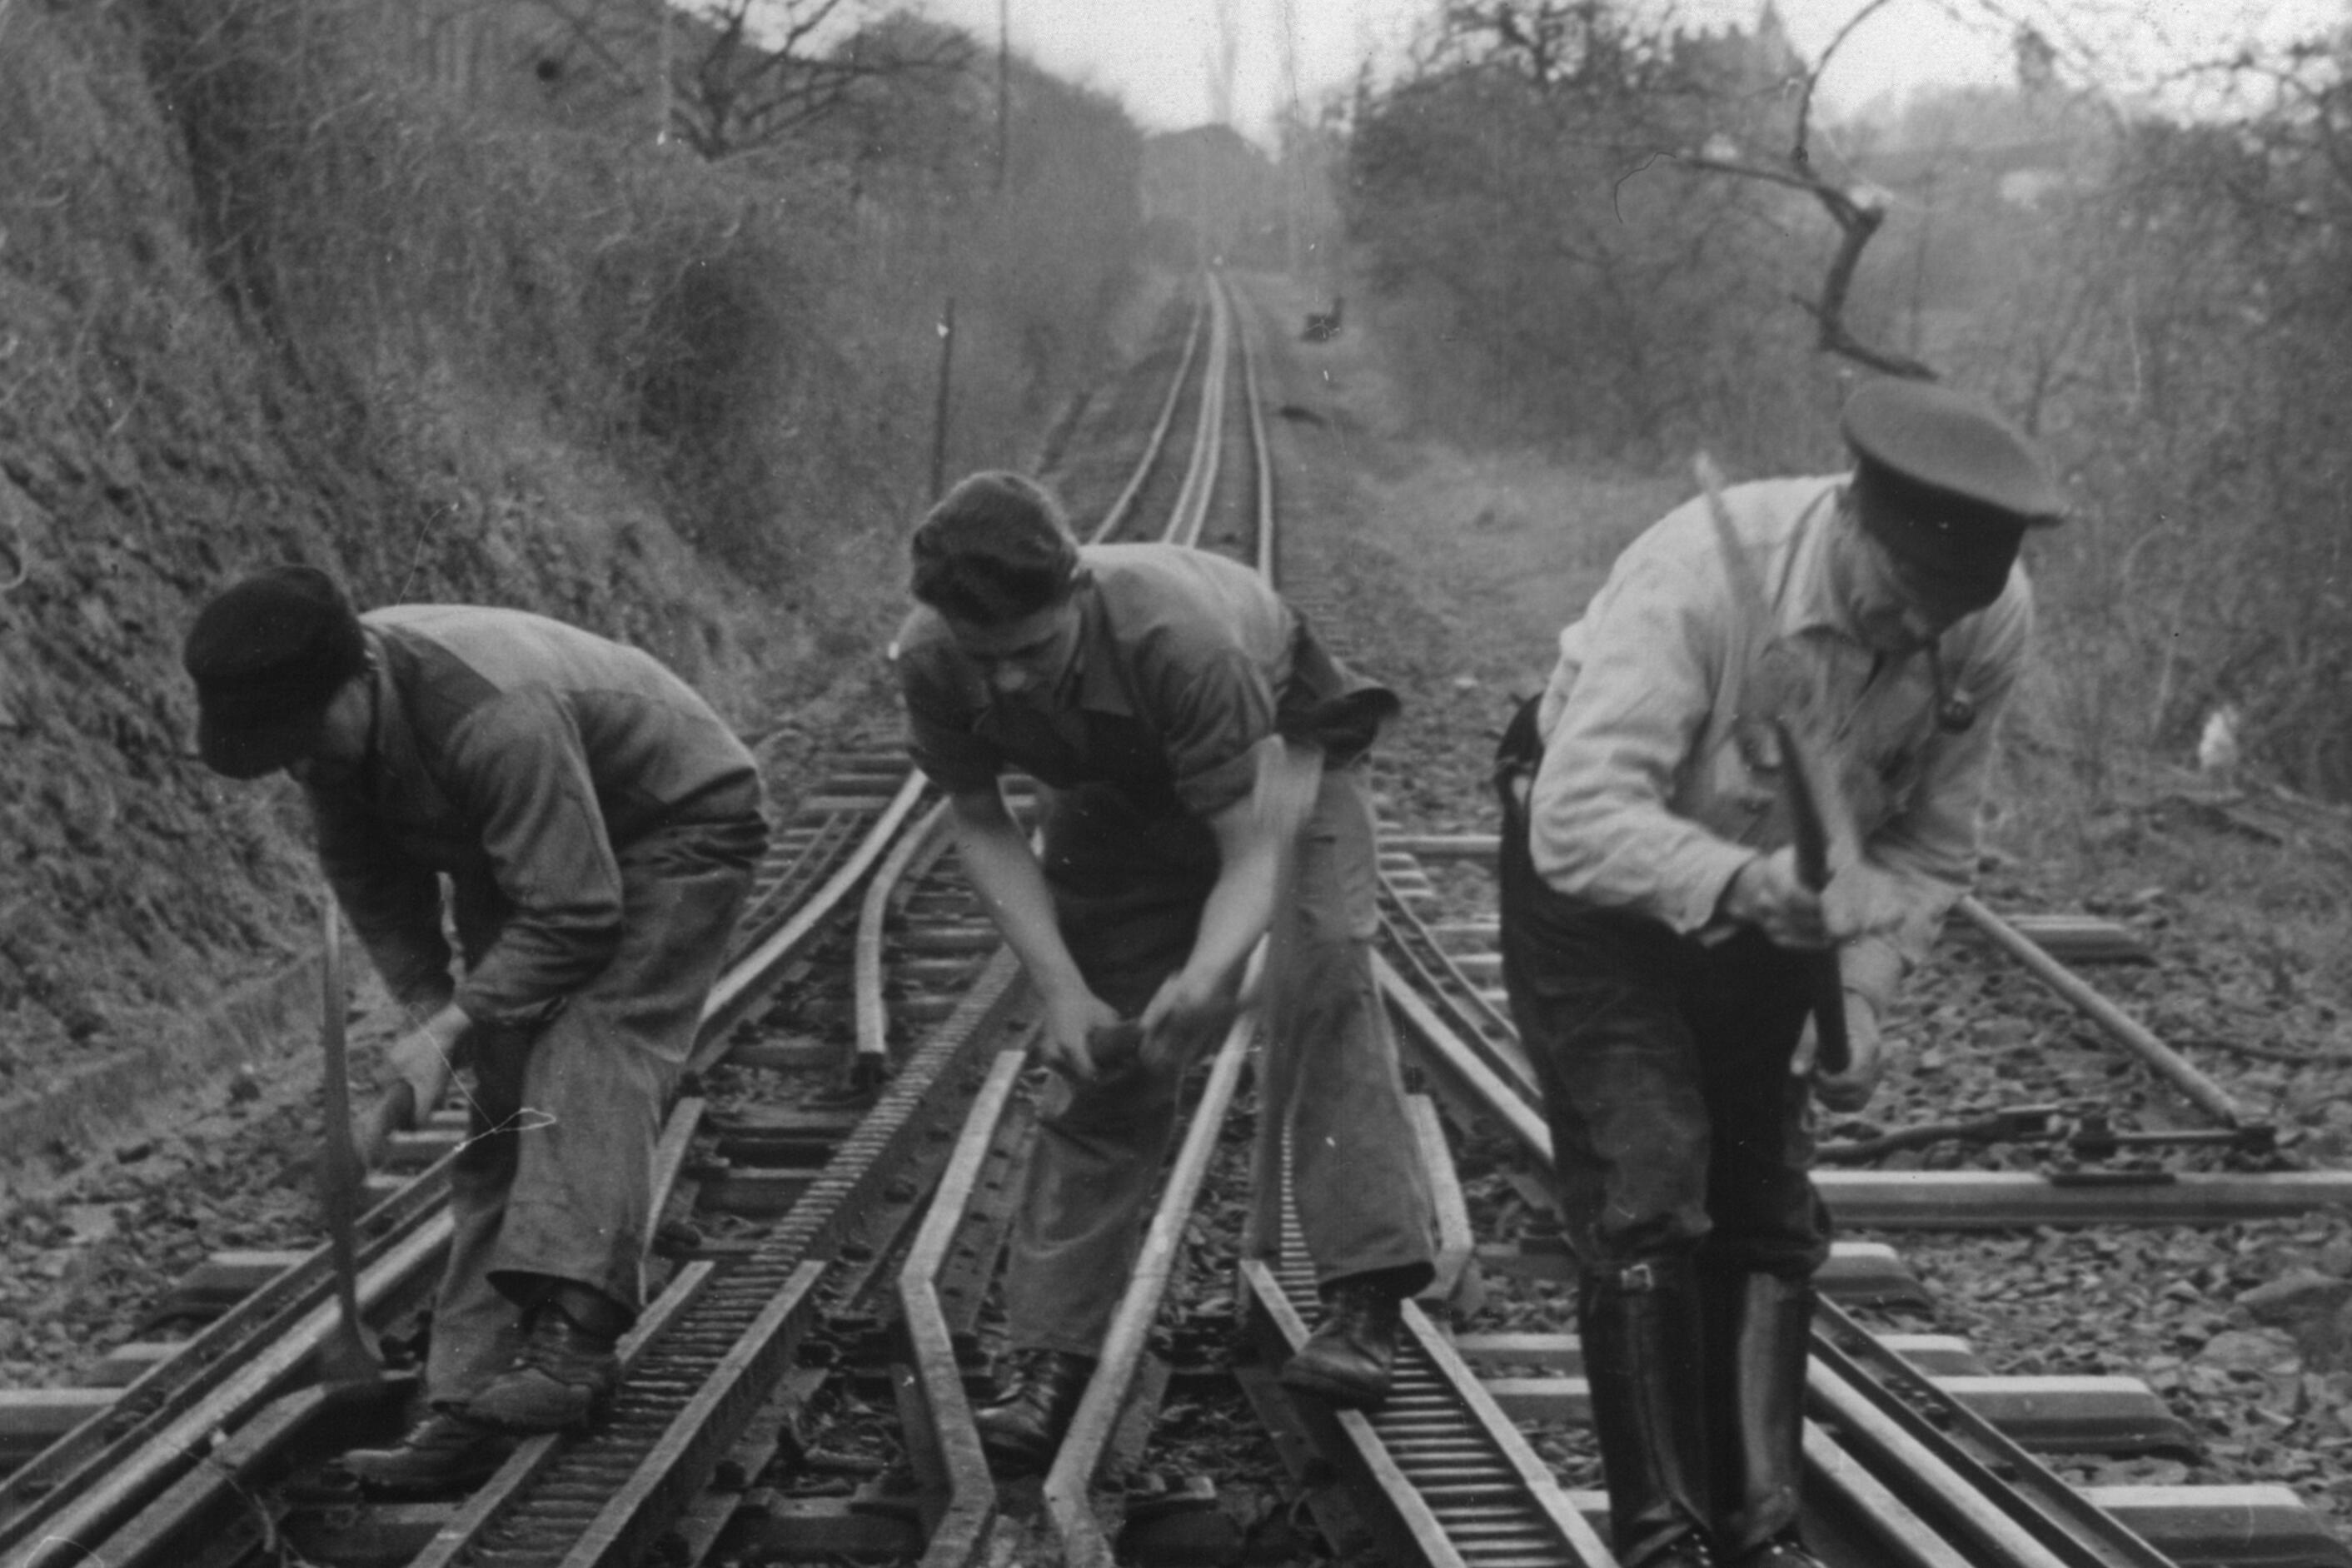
[
  {"x": 1863, "y": 901},
  {"x": 1186, "y": 1014},
  {"x": 422, "y": 1060},
  {"x": 1070, "y": 1018},
  {"x": 1767, "y": 894},
  {"x": 1851, "y": 1090},
  {"x": 426, "y": 1056}
]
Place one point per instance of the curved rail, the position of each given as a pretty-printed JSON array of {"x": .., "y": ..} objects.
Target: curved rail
[{"x": 1933, "y": 1483}]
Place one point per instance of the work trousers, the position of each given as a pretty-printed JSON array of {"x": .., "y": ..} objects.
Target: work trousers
[
  {"x": 1677, "y": 1129},
  {"x": 555, "y": 1179},
  {"x": 1129, "y": 891}
]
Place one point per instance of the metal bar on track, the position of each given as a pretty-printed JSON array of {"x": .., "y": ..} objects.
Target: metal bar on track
[
  {"x": 748, "y": 979},
  {"x": 459, "y": 1534},
  {"x": 1080, "y": 1456},
  {"x": 691, "y": 1449},
  {"x": 959, "y": 1535},
  {"x": 70, "y": 1539},
  {"x": 2127, "y": 1031},
  {"x": 872, "y": 1048},
  {"x": 1151, "y": 450}
]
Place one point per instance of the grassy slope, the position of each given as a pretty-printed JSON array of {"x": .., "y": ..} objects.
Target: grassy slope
[{"x": 448, "y": 358}]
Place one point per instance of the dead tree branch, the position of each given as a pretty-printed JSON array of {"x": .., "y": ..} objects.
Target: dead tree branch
[{"x": 1858, "y": 214}]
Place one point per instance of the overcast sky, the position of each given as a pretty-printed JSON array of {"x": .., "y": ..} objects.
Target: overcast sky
[{"x": 1156, "y": 54}]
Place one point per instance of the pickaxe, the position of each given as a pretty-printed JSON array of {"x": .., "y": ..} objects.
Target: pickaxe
[{"x": 1807, "y": 787}]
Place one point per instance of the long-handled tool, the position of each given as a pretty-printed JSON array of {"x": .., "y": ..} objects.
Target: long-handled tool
[
  {"x": 1824, "y": 981},
  {"x": 344, "y": 1355},
  {"x": 1805, "y": 786}
]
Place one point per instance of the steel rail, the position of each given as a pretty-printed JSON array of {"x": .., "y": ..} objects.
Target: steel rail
[
  {"x": 871, "y": 1060},
  {"x": 89, "y": 1485},
  {"x": 1488, "y": 1030},
  {"x": 658, "y": 1490},
  {"x": 729, "y": 1002},
  {"x": 748, "y": 979},
  {"x": 75, "y": 1532},
  {"x": 1079, "y": 1458},
  {"x": 1906, "y": 1407},
  {"x": 873, "y": 1024},
  {"x": 1192, "y": 508},
  {"x": 115, "y": 1451},
  {"x": 1262, "y": 458},
  {"x": 959, "y": 1532},
  {"x": 1149, "y": 461},
  {"x": 2127, "y": 1031},
  {"x": 1965, "y": 1476},
  {"x": 1078, "y": 1462}
]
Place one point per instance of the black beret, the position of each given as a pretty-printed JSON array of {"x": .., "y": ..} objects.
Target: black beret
[
  {"x": 1943, "y": 480},
  {"x": 268, "y": 656}
]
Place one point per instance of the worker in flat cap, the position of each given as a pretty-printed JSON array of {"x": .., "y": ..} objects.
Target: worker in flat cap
[
  {"x": 597, "y": 824},
  {"x": 1170, "y": 703},
  {"x": 1666, "y": 953}
]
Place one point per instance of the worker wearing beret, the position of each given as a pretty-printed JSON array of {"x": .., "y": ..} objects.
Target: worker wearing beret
[
  {"x": 1146, "y": 686},
  {"x": 598, "y": 824},
  {"x": 1662, "y": 953}
]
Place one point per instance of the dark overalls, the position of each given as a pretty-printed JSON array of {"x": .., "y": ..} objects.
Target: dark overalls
[{"x": 1681, "y": 1144}]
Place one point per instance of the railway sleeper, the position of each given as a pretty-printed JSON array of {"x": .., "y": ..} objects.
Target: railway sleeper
[
  {"x": 2261, "y": 1525},
  {"x": 1937, "y": 1355},
  {"x": 1867, "y": 1274},
  {"x": 2117, "y": 1416}
]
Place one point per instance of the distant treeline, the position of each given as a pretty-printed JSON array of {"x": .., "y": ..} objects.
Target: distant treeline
[{"x": 1587, "y": 234}]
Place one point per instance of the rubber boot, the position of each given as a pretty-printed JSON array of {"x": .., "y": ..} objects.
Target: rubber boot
[
  {"x": 1758, "y": 1330},
  {"x": 1349, "y": 1358},
  {"x": 1020, "y": 1429},
  {"x": 1643, "y": 1348}
]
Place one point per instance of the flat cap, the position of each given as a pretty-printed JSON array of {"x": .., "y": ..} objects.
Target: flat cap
[
  {"x": 268, "y": 656},
  {"x": 1950, "y": 441}
]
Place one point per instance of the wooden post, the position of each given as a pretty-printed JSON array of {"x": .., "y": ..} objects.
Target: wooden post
[
  {"x": 661, "y": 71},
  {"x": 940, "y": 416}
]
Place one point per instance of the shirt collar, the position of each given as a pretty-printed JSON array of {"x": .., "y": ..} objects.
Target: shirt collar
[{"x": 1809, "y": 600}]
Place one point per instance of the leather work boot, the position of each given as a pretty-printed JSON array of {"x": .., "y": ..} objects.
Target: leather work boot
[
  {"x": 1759, "y": 1335},
  {"x": 443, "y": 1452},
  {"x": 1348, "y": 1359},
  {"x": 562, "y": 1379},
  {"x": 1020, "y": 1429},
  {"x": 1640, "y": 1328}
]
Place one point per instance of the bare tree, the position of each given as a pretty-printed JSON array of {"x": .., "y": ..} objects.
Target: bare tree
[{"x": 745, "y": 74}]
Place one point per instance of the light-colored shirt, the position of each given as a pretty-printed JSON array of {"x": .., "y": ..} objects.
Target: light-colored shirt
[{"x": 1651, "y": 795}]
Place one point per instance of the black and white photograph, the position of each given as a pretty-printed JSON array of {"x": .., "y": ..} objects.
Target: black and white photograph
[{"x": 1176, "y": 783}]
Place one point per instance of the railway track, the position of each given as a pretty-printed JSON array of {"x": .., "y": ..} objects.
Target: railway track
[{"x": 839, "y": 1169}]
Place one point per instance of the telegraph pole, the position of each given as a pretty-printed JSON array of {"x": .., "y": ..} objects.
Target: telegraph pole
[
  {"x": 661, "y": 71},
  {"x": 1003, "y": 89}
]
